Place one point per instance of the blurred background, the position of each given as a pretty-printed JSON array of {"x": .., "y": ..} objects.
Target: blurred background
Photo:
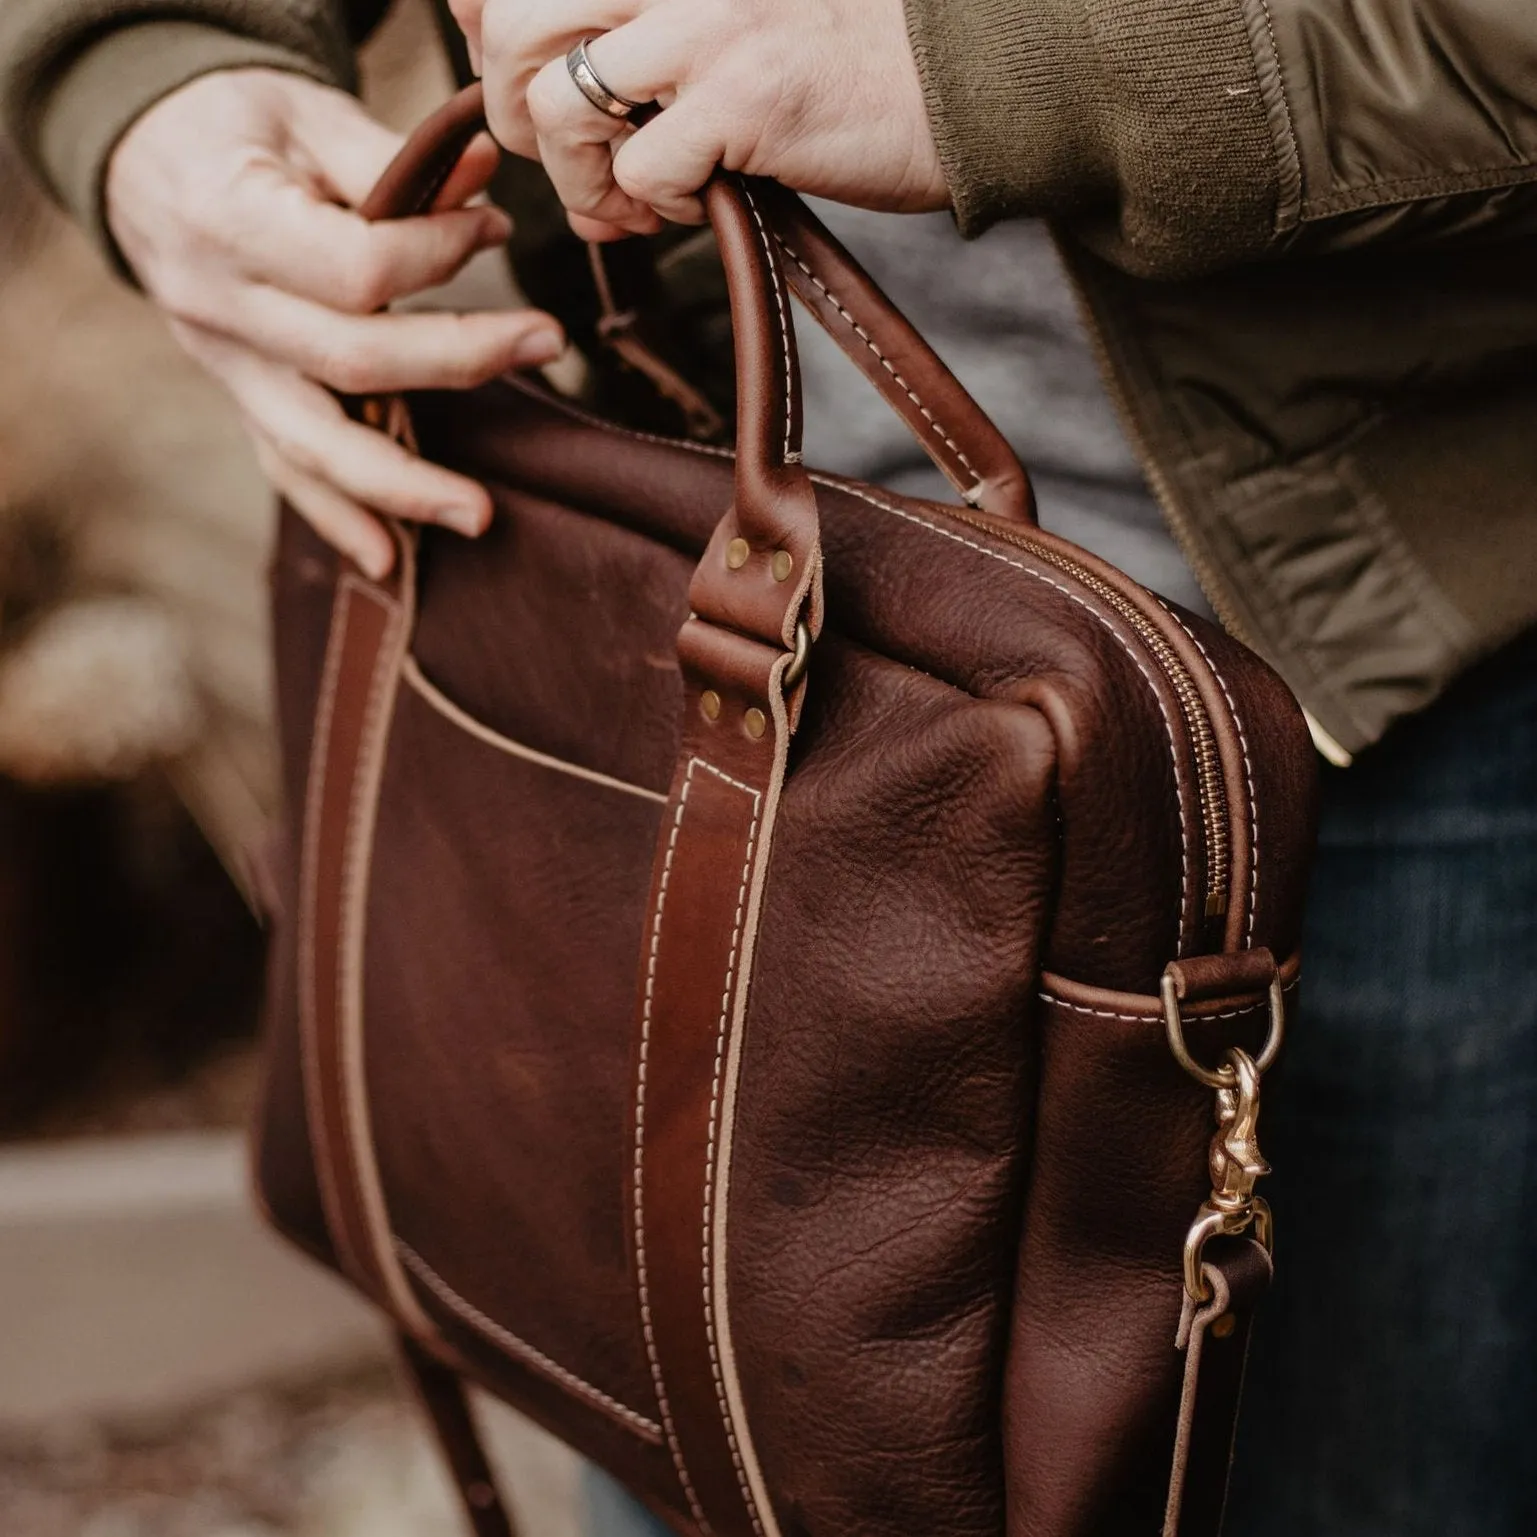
[{"x": 167, "y": 1369}]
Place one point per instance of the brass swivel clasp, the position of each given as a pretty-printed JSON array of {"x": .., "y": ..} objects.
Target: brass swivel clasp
[{"x": 1235, "y": 1159}]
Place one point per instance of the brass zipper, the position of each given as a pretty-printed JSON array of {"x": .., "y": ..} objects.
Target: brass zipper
[{"x": 1211, "y": 790}]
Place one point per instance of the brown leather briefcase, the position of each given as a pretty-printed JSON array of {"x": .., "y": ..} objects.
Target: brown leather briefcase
[{"x": 775, "y": 976}]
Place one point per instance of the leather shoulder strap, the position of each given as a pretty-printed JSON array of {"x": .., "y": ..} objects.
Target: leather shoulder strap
[
  {"x": 1214, "y": 1336},
  {"x": 442, "y": 1394}
]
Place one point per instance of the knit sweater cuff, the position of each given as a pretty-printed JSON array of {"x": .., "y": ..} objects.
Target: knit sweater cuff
[
  {"x": 1007, "y": 86},
  {"x": 1140, "y": 122}
]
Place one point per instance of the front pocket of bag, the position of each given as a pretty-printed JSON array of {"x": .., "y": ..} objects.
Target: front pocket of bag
[{"x": 506, "y": 903}]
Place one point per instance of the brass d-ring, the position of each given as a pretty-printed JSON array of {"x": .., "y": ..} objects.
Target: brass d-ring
[
  {"x": 1220, "y": 1077},
  {"x": 799, "y": 658}
]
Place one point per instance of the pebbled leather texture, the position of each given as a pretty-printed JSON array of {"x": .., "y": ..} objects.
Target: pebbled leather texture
[{"x": 767, "y": 1090}]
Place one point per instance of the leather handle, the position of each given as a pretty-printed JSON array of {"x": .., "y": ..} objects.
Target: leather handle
[
  {"x": 955, "y": 432},
  {"x": 426, "y": 160},
  {"x": 772, "y": 243}
]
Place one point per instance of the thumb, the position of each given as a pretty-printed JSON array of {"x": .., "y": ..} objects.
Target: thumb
[{"x": 346, "y": 149}]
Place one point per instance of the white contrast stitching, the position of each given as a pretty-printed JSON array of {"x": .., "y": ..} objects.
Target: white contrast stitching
[
  {"x": 639, "y": 1165},
  {"x": 885, "y": 362},
  {"x": 1125, "y": 645},
  {"x": 1157, "y": 1018},
  {"x": 707, "y": 1232},
  {"x": 436, "y": 700},
  {"x": 511, "y": 1343},
  {"x": 736, "y": 784},
  {"x": 1248, "y": 774},
  {"x": 776, "y": 278},
  {"x": 571, "y": 409}
]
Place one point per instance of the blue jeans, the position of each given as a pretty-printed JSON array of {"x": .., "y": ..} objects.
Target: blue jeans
[
  {"x": 607, "y": 1511},
  {"x": 1393, "y": 1386}
]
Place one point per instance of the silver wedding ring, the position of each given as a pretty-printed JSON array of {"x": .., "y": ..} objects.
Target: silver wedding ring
[{"x": 591, "y": 85}]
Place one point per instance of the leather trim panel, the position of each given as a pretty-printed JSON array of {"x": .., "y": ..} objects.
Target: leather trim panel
[{"x": 368, "y": 636}]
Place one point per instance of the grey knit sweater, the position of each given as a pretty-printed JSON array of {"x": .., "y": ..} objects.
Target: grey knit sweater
[{"x": 1001, "y": 312}]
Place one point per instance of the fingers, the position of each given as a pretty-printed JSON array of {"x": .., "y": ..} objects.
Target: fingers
[
  {"x": 665, "y": 165},
  {"x": 332, "y": 138},
  {"x": 575, "y": 142},
  {"x": 519, "y": 37},
  {"x": 583, "y": 148},
  {"x": 384, "y": 353},
  {"x": 340, "y": 521},
  {"x": 467, "y": 13},
  {"x": 303, "y": 426},
  {"x": 328, "y": 254},
  {"x": 346, "y": 151}
]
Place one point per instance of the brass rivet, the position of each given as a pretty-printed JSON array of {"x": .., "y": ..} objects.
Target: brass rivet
[
  {"x": 709, "y": 704},
  {"x": 755, "y": 723},
  {"x": 737, "y": 553},
  {"x": 784, "y": 564},
  {"x": 1223, "y": 1326}
]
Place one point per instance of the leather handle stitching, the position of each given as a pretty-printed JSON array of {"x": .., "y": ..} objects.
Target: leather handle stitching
[
  {"x": 885, "y": 362},
  {"x": 776, "y": 278}
]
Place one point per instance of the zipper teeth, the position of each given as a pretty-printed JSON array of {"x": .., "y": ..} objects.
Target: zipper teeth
[
  {"x": 1212, "y": 794},
  {"x": 1217, "y": 830}
]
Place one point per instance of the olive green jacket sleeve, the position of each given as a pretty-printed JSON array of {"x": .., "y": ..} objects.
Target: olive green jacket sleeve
[
  {"x": 1177, "y": 136},
  {"x": 75, "y": 74}
]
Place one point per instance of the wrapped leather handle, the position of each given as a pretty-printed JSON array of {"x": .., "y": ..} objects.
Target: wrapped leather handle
[{"x": 770, "y": 240}]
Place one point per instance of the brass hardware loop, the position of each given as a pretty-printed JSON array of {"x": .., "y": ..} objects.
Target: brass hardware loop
[
  {"x": 799, "y": 659},
  {"x": 1235, "y": 1158},
  {"x": 1213, "y": 1224},
  {"x": 1221, "y": 1077}
]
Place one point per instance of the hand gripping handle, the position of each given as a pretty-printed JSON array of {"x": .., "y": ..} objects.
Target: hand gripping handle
[{"x": 770, "y": 239}]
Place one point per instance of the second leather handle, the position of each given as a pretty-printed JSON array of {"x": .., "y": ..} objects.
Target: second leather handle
[{"x": 949, "y": 425}]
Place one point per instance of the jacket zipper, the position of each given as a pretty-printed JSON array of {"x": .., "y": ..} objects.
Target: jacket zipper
[
  {"x": 1174, "y": 515},
  {"x": 1211, "y": 791}
]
